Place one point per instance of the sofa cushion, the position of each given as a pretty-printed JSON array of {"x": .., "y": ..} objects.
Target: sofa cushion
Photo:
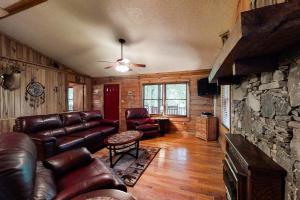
[
  {"x": 75, "y": 128},
  {"x": 91, "y": 115},
  {"x": 103, "y": 129},
  {"x": 94, "y": 168},
  {"x": 71, "y": 118},
  {"x": 66, "y": 143},
  {"x": 69, "y": 160},
  {"x": 92, "y": 124},
  {"x": 53, "y": 133},
  {"x": 38, "y": 123},
  {"x": 147, "y": 127},
  {"x": 45, "y": 186},
  {"x": 87, "y": 134},
  {"x": 18, "y": 165},
  {"x": 138, "y": 122}
]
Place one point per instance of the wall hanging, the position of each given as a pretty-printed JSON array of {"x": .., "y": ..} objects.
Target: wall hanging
[
  {"x": 35, "y": 93},
  {"x": 10, "y": 79}
]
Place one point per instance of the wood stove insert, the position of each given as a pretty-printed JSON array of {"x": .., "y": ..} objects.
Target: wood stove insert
[{"x": 249, "y": 174}]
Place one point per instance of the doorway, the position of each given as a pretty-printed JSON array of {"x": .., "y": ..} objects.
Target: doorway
[
  {"x": 111, "y": 101},
  {"x": 76, "y": 94}
]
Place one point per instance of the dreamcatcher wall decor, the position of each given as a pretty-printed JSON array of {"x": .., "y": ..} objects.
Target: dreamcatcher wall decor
[{"x": 35, "y": 93}]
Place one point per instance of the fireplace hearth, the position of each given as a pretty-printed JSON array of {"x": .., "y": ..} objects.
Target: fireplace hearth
[{"x": 249, "y": 173}]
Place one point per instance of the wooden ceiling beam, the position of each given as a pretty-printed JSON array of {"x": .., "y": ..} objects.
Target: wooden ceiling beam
[
  {"x": 254, "y": 65},
  {"x": 229, "y": 80},
  {"x": 21, "y": 6}
]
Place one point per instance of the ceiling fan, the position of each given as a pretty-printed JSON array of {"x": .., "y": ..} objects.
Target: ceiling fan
[
  {"x": 122, "y": 64},
  {"x": 10, "y": 7}
]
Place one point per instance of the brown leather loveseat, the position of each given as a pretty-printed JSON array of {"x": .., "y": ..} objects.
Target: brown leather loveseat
[
  {"x": 60, "y": 177},
  {"x": 57, "y": 133}
]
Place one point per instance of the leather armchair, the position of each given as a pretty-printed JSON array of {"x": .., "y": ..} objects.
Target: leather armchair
[
  {"x": 61, "y": 177},
  {"x": 139, "y": 119}
]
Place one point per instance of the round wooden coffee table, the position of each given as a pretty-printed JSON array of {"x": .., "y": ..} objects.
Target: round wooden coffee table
[{"x": 122, "y": 143}]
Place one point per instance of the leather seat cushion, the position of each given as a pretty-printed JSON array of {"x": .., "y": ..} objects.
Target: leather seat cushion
[
  {"x": 94, "y": 115},
  {"x": 66, "y": 143},
  {"x": 147, "y": 127},
  {"x": 92, "y": 124},
  {"x": 96, "y": 167},
  {"x": 45, "y": 186},
  {"x": 138, "y": 122},
  {"x": 88, "y": 135},
  {"x": 103, "y": 129}
]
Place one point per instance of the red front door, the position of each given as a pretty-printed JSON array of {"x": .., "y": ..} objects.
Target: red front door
[{"x": 111, "y": 101}]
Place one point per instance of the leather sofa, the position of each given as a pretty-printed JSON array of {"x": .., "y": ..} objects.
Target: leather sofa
[
  {"x": 60, "y": 177},
  {"x": 139, "y": 119},
  {"x": 56, "y": 133}
]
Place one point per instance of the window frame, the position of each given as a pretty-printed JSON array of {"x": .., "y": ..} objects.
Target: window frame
[
  {"x": 69, "y": 99},
  {"x": 226, "y": 122},
  {"x": 162, "y": 96},
  {"x": 164, "y": 88}
]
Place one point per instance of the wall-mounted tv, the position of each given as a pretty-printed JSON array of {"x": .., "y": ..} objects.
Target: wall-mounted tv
[{"x": 205, "y": 88}]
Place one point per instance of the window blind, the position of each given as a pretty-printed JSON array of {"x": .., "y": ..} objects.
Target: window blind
[{"x": 225, "y": 105}]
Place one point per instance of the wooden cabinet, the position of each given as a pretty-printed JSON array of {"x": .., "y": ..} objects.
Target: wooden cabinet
[{"x": 206, "y": 128}]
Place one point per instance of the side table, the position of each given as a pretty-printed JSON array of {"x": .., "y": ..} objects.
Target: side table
[{"x": 164, "y": 124}]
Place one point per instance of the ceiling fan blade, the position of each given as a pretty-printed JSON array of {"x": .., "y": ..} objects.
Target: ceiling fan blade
[
  {"x": 108, "y": 67},
  {"x": 137, "y": 65},
  {"x": 20, "y": 6},
  {"x": 104, "y": 61}
]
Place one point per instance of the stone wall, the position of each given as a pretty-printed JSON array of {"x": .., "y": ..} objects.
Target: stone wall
[{"x": 266, "y": 110}]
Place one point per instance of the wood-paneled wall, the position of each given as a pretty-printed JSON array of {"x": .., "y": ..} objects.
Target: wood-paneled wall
[
  {"x": 32, "y": 65},
  {"x": 134, "y": 84}
]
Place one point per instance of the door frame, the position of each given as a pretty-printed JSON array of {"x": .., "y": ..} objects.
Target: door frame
[{"x": 83, "y": 94}]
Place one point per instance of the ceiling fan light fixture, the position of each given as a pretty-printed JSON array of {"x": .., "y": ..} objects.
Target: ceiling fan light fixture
[{"x": 122, "y": 68}]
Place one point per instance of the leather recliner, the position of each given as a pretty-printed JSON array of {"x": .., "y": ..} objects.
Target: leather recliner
[
  {"x": 61, "y": 177},
  {"x": 139, "y": 119},
  {"x": 56, "y": 133}
]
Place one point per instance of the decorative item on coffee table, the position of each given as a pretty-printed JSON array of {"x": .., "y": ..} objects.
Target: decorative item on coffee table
[{"x": 122, "y": 143}]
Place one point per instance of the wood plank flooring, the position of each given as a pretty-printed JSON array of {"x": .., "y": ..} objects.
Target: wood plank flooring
[{"x": 185, "y": 168}]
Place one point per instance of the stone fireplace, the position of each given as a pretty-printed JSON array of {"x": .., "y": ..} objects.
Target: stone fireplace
[{"x": 266, "y": 110}]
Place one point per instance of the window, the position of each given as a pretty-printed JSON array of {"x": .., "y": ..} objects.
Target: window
[
  {"x": 153, "y": 98},
  {"x": 166, "y": 99},
  {"x": 70, "y": 98},
  {"x": 225, "y": 105}
]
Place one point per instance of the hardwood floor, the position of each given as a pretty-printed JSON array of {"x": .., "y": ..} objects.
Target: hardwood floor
[{"x": 185, "y": 168}]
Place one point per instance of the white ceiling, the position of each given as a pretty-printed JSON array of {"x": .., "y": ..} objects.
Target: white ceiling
[{"x": 166, "y": 35}]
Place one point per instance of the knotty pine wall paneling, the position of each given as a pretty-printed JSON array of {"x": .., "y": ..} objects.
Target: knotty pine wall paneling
[
  {"x": 32, "y": 64},
  {"x": 134, "y": 84}
]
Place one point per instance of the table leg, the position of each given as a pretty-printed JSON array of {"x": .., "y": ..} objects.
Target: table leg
[
  {"x": 110, "y": 157},
  {"x": 137, "y": 149}
]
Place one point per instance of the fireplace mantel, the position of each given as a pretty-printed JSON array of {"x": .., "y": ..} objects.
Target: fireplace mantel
[{"x": 257, "y": 39}]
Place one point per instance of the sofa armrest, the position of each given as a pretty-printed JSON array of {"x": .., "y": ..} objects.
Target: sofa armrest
[
  {"x": 46, "y": 145},
  {"x": 103, "y": 181},
  {"x": 110, "y": 122},
  {"x": 69, "y": 160}
]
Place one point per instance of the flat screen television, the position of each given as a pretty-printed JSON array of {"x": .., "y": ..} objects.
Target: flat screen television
[{"x": 205, "y": 88}]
